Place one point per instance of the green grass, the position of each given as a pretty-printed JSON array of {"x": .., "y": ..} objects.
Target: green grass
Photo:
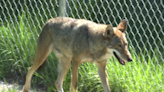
[{"x": 17, "y": 49}]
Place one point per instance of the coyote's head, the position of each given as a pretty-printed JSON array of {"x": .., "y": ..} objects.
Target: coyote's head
[{"x": 116, "y": 41}]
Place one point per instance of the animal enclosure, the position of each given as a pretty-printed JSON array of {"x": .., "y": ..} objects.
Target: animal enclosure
[{"x": 21, "y": 22}]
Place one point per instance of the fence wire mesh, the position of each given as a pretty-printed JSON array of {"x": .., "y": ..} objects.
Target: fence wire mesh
[{"x": 21, "y": 22}]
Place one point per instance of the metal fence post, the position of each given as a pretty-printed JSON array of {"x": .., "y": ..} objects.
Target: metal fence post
[{"x": 62, "y": 7}]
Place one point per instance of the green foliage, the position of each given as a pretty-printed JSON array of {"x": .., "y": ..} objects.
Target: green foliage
[{"x": 15, "y": 43}]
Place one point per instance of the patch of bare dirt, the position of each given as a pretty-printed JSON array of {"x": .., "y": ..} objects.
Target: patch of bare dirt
[{"x": 11, "y": 85}]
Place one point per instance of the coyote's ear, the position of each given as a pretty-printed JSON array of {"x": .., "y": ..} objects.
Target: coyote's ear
[
  {"x": 109, "y": 32},
  {"x": 122, "y": 26}
]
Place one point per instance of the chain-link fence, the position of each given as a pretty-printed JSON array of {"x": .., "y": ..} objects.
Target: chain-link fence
[{"x": 21, "y": 22}]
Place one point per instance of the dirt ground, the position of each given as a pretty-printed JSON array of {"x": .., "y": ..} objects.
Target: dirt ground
[{"x": 8, "y": 86}]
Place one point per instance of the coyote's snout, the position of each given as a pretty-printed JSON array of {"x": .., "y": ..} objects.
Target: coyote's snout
[
  {"x": 79, "y": 40},
  {"x": 119, "y": 44}
]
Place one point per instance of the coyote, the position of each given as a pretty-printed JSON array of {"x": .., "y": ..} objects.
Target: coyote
[{"x": 79, "y": 40}]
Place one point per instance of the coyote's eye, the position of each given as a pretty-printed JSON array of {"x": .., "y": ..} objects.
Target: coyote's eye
[{"x": 120, "y": 45}]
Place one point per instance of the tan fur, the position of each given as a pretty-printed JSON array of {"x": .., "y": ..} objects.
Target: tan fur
[{"x": 81, "y": 41}]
